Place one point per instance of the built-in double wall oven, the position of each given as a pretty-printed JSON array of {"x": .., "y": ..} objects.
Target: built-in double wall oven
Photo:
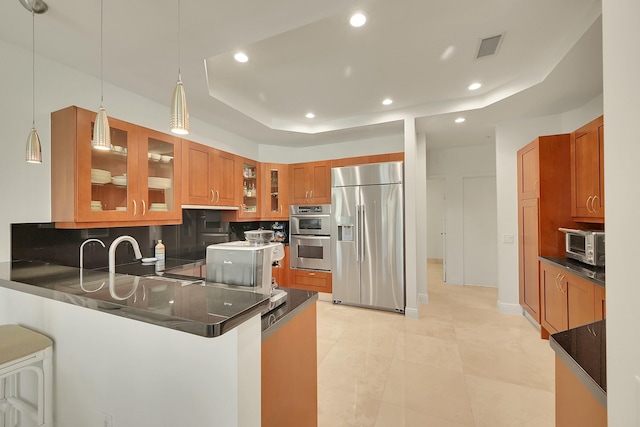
[{"x": 310, "y": 237}]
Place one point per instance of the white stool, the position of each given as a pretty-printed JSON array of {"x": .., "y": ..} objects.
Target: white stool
[{"x": 23, "y": 350}]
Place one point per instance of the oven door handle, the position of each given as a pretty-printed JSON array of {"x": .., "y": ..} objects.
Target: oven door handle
[{"x": 310, "y": 237}]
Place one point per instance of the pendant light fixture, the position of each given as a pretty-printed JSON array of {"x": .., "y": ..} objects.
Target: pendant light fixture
[
  {"x": 179, "y": 121},
  {"x": 101, "y": 132},
  {"x": 34, "y": 149}
]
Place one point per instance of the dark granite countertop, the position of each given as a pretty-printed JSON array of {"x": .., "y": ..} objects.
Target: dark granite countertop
[
  {"x": 593, "y": 274},
  {"x": 584, "y": 351},
  {"x": 297, "y": 301},
  {"x": 177, "y": 302}
]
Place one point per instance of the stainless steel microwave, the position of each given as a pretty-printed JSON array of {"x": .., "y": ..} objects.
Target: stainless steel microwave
[{"x": 586, "y": 246}]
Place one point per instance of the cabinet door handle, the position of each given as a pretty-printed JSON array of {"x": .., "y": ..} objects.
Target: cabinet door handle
[
  {"x": 556, "y": 281},
  {"x": 588, "y": 200},
  {"x": 217, "y": 196},
  {"x": 212, "y": 196},
  {"x": 306, "y": 195},
  {"x": 144, "y": 208},
  {"x": 135, "y": 208},
  {"x": 312, "y": 274},
  {"x": 562, "y": 277},
  {"x": 280, "y": 209},
  {"x": 593, "y": 204},
  {"x": 311, "y": 194}
]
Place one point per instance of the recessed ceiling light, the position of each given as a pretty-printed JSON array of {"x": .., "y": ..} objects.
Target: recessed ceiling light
[
  {"x": 475, "y": 86},
  {"x": 460, "y": 120},
  {"x": 387, "y": 101},
  {"x": 310, "y": 115},
  {"x": 241, "y": 57},
  {"x": 358, "y": 19}
]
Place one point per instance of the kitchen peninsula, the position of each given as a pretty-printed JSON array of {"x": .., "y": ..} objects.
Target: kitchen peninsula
[{"x": 152, "y": 351}]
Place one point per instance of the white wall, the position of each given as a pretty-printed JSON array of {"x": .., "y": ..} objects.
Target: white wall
[
  {"x": 453, "y": 165},
  {"x": 370, "y": 146},
  {"x": 622, "y": 176},
  {"x": 480, "y": 257},
  {"x": 510, "y": 137}
]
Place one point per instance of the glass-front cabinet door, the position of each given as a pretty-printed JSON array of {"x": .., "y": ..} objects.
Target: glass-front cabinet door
[
  {"x": 107, "y": 183},
  {"x": 159, "y": 185},
  {"x": 250, "y": 190},
  {"x": 276, "y": 194}
]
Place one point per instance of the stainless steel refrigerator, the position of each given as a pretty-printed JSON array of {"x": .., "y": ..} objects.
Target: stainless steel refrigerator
[{"x": 367, "y": 236}]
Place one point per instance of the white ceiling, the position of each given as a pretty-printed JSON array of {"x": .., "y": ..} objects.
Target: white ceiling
[{"x": 304, "y": 57}]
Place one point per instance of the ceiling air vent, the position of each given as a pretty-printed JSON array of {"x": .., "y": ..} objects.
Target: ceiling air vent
[{"x": 489, "y": 46}]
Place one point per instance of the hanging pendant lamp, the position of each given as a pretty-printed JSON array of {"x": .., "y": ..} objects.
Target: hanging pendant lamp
[
  {"x": 101, "y": 133},
  {"x": 34, "y": 149},
  {"x": 179, "y": 121}
]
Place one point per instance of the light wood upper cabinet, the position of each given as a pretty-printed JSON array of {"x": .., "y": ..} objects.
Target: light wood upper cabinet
[
  {"x": 250, "y": 191},
  {"x": 587, "y": 172},
  {"x": 274, "y": 200},
  {"x": 529, "y": 172},
  {"x": 136, "y": 182},
  {"x": 226, "y": 180},
  {"x": 362, "y": 160},
  {"x": 310, "y": 183},
  {"x": 210, "y": 176},
  {"x": 197, "y": 180}
]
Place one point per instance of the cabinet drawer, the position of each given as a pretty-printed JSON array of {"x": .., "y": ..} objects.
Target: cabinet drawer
[{"x": 319, "y": 281}]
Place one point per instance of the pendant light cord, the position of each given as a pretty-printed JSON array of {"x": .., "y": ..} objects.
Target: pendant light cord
[
  {"x": 33, "y": 67},
  {"x": 179, "y": 44},
  {"x": 101, "y": 61}
]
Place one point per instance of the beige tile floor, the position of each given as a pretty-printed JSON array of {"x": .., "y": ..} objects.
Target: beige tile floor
[{"x": 462, "y": 363}]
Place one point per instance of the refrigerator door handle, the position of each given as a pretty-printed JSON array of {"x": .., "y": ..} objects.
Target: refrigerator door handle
[
  {"x": 357, "y": 233},
  {"x": 362, "y": 233}
]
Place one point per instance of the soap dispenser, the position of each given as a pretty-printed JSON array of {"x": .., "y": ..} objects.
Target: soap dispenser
[{"x": 159, "y": 254}]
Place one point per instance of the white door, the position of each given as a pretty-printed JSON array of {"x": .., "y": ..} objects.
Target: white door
[{"x": 480, "y": 231}]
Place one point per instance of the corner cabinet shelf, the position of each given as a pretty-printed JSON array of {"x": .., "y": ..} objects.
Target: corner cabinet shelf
[{"x": 136, "y": 182}]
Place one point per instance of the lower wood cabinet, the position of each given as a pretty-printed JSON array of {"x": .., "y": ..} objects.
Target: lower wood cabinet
[
  {"x": 318, "y": 281},
  {"x": 290, "y": 373},
  {"x": 575, "y": 405},
  {"x": 568, "y": 300}
]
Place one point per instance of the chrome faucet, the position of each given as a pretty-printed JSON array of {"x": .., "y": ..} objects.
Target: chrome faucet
[
  {"x": 112, "y": 251},
  {"x": 82, "y": 248}
]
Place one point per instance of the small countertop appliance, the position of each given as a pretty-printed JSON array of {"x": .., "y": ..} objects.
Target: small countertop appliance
[{"x": 244, "y": 265}]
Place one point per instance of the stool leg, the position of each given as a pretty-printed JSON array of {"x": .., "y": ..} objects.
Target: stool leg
[
  {"x": 3, "y": 407},
  {"x": 47, "y": 367}
]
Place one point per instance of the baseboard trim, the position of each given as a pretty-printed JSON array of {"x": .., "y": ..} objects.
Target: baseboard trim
[
  {"x": 509, "y": 308},
  {"x": 423, "y": 298},
  {"x": 411, "y": 313}
]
